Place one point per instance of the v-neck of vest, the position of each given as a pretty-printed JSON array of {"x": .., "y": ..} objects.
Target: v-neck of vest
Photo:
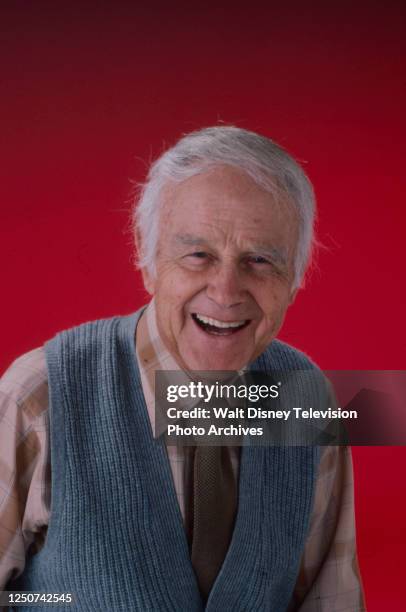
[{"x": 174, "y": 554}]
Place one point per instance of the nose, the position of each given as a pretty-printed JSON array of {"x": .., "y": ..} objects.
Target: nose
[{"x": 225, "y": 286}]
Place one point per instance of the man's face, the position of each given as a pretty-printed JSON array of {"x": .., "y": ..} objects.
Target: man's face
[{"x": 224, "y": 269}]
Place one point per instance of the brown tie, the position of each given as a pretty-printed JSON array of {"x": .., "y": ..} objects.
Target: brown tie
[{"x": 213, "y": 512}]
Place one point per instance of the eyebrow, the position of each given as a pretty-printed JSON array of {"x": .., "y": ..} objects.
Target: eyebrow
[
  {"x": 190, "y": 240},
  {"x": 278, "y": 256}
]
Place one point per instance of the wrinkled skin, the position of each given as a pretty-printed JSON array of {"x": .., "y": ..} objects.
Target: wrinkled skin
[{"x": 226, "y": 251}]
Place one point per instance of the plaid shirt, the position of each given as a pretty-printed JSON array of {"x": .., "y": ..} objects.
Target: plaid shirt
[{"x": 328, "y": 578}]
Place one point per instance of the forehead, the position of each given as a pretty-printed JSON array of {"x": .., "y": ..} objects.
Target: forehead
[{"x": 226, "y": 204}]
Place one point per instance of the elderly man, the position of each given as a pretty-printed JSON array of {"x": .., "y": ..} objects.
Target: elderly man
[{"x": 224, "y": 230}]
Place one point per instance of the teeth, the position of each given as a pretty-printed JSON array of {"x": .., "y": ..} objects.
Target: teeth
[{"x": 217, "y": 323}]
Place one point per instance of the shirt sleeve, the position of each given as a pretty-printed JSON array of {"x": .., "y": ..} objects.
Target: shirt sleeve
[
  {"x": 329, "y": 577},
  {"x": 24, "y": 462}
]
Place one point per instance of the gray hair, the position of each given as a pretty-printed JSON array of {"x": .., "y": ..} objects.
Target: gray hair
[{"x": 268, "y": 164}]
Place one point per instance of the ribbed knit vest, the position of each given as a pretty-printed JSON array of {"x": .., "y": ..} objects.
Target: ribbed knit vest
[{"x": 116, "y": 539}]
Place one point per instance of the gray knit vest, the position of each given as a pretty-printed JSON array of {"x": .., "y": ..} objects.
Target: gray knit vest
[{"x": 116, "y": 538}]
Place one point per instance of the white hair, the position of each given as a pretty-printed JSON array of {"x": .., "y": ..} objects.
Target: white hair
[{"x": 268, "y": 164}]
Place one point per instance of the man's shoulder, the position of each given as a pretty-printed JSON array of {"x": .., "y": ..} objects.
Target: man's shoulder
[
  {"x": 88, "y": 332},
  {"x": 24, "y": 398},
  {"x": 280, "y": 355},
  {"x": 29, "y": 371}
]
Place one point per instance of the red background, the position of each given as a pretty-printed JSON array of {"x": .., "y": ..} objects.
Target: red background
[{"x": 90, "y": 92}]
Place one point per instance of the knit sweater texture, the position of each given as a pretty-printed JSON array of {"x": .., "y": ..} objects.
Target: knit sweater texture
[{"x": 116, "y": 538}]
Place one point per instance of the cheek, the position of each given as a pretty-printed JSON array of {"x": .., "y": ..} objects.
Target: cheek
[
  {"x": 273, "y": 304},
  {"x": 178, "y": 285}
]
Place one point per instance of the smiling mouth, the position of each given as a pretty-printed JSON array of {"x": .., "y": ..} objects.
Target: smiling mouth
[{"x": 217, "y": 327}]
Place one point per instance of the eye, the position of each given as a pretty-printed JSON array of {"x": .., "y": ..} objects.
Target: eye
[
  {"x": 197, "y": 259},
  {"x": 198, "y": 255},
  {"x": 258, "y": 259},
  {"x": 263, "y": 265}
]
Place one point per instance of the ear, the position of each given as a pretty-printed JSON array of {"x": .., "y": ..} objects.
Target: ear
[
  {"x": 293, "y": 295},
  {"x": 147, "y": 278}
]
